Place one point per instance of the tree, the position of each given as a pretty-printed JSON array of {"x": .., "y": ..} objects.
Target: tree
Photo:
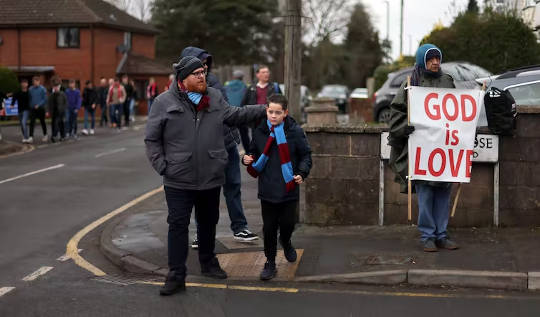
[
  {"x": 8, "y": 81},
  {"x": 237, "y": 31},
  {"x": 472, "y": 7},
  {"x": 499, "y": 41},
  {"x": 138, "y": 8},
  {"x": 327, "y": 19}
]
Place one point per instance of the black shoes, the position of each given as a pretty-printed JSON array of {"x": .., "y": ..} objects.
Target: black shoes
[
  {"x": 173, "y": 284},
  {"x": 446, "y": 243},
  {"x": 269, "y": 271},
  {"x": 289, "y": 251},
  {"x": 429, "y": 245},
  {"x": 213, "y": 269}
]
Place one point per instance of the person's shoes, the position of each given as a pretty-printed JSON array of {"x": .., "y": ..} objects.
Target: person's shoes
[
  {"x": 24, "y": 140},
  {"x": 92, "y": 131},
  {"x": 289, "y": 251},
  {"x": 213, "y": 269},
  {"x": 45, "y": 138},
  {"x": 173, "y": 284},
  {"x": 30, "y": 140},
  {"x": 245, "y": 236},
  {"x": 446, "y": 243},
  {"x": 269, "y": 271},
  {"x": 84, "y": 131},
  {"x": 195, "y": 243},
  {"x": 429, "y": 245}
]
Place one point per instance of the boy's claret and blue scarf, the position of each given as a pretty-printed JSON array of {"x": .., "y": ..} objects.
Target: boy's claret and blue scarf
[{"x": 276, "y": 133}]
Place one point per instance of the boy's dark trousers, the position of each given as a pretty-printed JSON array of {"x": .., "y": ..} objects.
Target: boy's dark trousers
[
  {"x": 126, "y": 111},
  {"x": 40, "y": 114},
  {"x": 277, "y": 215},
  {"x": 57, "y": 118},
  {"x": 103, "y": 115},
  {"x": 180, "y": 203}
]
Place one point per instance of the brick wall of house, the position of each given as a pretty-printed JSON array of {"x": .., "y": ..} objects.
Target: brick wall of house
[{"x": 8, "y": 50}]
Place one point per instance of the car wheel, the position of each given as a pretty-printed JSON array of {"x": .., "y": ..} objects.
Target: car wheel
[{"x": 384, "y": 115}]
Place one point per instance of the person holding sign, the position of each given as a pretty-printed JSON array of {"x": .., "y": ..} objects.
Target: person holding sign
[{"x": 433, "y": 196}]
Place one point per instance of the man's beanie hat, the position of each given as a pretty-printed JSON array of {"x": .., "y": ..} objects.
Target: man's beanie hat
[{"x": 186, "y": 66}]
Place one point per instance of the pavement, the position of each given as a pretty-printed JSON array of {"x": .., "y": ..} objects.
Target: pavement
[{"x": 494, "y": 258}]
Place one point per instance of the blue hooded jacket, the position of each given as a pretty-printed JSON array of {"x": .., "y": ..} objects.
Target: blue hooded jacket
[
  {"x": 421, "y": 60},
  {"x": 235, "y": 92}
]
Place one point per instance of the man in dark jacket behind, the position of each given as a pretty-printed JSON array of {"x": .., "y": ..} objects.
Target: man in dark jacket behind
[
  {"x": 57, "y": 109},
  {"x": 433, "y": 197},
  {"x": 22, "y": 98},
  {"x": 233, "y": 181},
  {"x": 185, "y": 143},
  {"x": 89, "y": 101}
]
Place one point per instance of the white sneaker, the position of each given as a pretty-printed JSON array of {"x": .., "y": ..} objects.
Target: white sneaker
[
  {"x": 45, "y": 138},
  {"x": 24, "y": 140},
  {"x": 30, "y": 140},
  {"x": 91, "y": 131},
  {"x": 84, "y": 131}
]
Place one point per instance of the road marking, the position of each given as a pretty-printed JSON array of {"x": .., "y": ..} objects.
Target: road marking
[
  {"x": 41, "y": 271},
  {"x": 233, "y": 287},
  {"x": 65, "y": 257},
  {"x": 72, "y": 246},
  {"x": 32, "y": 173},
  {"x": 111, "y": 152},
  {"x": 5, "y": 290}
]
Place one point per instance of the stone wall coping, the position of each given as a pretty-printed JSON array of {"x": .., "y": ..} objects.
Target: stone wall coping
[
  {"x": 528, "y": 109},
  {"x": 361, "y": 128}
]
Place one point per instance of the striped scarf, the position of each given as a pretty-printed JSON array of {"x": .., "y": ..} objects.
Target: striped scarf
[{"x": 276, "y": 133}]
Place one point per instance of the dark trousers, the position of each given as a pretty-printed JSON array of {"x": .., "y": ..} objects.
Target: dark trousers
[
  {"x": 126, "y": 111},
  {"x": 244, "y": 136},
  {"x": 57, "y": 123},
  {"x": 38, "y": 113},
  {"x": 104, "y": 118},
  {"x": 71, "y": 121},
  {"x": 180, "y": 203},
  {"x": 277, "y": 216}
]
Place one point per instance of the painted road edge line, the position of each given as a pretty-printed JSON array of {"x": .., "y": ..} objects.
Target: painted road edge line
[
  {"x": 234, "y": 287},
  {"x": 72, "y": 246},
  {"x": 5, "y": 290},
  {"x": 64, "y": 257},
  {"x": 111, "y": 152},
  {"x": 39, "y": 272},
  {"x": 32, "y": 173}
]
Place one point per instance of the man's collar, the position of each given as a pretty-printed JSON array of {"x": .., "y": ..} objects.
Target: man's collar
[{"x": 262, "y": 85}]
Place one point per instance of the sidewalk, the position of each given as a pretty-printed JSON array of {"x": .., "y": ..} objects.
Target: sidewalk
[{"x": 489, "y": 257}]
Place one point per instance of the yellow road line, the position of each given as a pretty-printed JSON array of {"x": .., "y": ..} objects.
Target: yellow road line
[
  {"x": 72, "y": 246},
  {"x": 233, "y": 287}
]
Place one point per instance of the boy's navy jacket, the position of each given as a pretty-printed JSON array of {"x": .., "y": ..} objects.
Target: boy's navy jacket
[{"x": 271, "y": 183}]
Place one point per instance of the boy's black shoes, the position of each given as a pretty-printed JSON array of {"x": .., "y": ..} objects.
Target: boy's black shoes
[
  {"x": 213, "y": 269},
  {"x": 289, "y": 251},
  {"x": 173, "y": 284},
  {"x": 269, "y": 271}
]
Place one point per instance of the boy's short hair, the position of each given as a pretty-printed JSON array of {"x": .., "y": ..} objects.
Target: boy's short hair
[
  {"x": 36, "y": 78},
  {"x": 72, "y": 81},
  {"x": 262, "y": 66},
  {"x": 88, "y": 82},
  {"x": 24, "y": 80},
  {"x": 279, "y": 99},
  {"x": 56, "y": 81}
]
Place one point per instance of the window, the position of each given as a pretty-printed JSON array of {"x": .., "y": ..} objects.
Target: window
[
  {"x": 400, "y": 78},
  {"x": 67, "y": 37},
  {"x": 127, "y": 40}
]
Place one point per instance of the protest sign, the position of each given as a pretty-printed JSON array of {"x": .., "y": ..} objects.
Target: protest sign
[
  {"x": 441, "y": 148},
  {"x": 10, "y": 108}
]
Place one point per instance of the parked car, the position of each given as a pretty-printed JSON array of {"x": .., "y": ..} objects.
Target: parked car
[
  {"x": 339, "y": 92},
  {"x": 464, "y": 74},
  {"x": 359, "y": 93},
  {"x": 523, "y": 83},
  {"x": 305, "y": 99}
]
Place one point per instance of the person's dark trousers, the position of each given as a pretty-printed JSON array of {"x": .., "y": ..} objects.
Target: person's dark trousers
[
  {"x": 23, "y": 120},
  {"x": 125, "y": 108},
  {"x": 116, "y": 114},
  {"x": 104, "y": 118},
  {"x": 277, "y": 216},
  {"x": 180, "y": 202},
  {"x": 231, "y": 191},
  {"x": 38, "y": 113},
  {"x": 72, "y": 122},
  {"x": 57, "y": 124},
  {"x": 244, "y": 136}
]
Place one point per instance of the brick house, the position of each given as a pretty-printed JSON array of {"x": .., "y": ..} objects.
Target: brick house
[{"x": 78, "y": 39}]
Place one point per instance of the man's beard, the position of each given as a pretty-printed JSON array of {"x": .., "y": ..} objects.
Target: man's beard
[{"x": 199, "y": 87}]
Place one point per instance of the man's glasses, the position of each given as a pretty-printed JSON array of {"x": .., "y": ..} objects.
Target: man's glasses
[{"x": 201, "y": 73}]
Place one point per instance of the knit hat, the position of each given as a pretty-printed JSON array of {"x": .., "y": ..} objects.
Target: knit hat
[
  {"x": 186, "y": 66},
  {"x": 425, "y": 53}
]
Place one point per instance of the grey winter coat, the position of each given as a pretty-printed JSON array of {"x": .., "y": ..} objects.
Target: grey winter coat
[{"x": 186, "y": 146}]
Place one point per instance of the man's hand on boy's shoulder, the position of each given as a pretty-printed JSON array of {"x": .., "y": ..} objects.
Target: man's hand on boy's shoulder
[{"x": 298, "y": 179}]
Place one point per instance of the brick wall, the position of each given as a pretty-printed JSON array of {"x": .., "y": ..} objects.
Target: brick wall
[{"x": 8, "y": 50}]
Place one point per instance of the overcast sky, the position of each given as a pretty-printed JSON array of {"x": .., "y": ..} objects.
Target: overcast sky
[{"x": 419, "y": 18}]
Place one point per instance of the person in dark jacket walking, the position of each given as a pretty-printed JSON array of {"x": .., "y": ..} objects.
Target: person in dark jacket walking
[
  {"x": 433, "y": 197},
  {"x": 233, "y": 181},
  {"x": 22, "y": 98},
  {"x": 38, "y": 100},
  {"x": 280, "y": 156},
  {"x": 130, "y": 95},
  {"x": 89, "y": 101},
  {"x": 74, "y": 105},
  {"x": 185, "y": 143},
  {"x": 255, "y": 93},
  {"x": 57, "y": 109},
  {"x": 102, "y": 100}
]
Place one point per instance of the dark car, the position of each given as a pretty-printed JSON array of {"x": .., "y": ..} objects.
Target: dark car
[
  {"x": 464, "y": 75},
  {"x": 523, "y": 83},
  {"x": 338, "y": 92}
]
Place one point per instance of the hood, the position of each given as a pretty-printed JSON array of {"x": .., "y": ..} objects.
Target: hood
[
  {"x": 421, "y": 54},
  {"x": 235, "y": 85},
  {"x": 199, "y": 53}
]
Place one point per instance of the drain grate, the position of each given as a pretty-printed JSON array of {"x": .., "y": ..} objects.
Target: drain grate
[
  {"x": 127, "y": 279},
  {"x": 388, "y": 259}
]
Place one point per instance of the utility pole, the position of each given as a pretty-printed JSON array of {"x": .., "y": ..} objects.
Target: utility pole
[
  {"x": 401, "y": 32},
  {"x": 293, "y": 56},
  {"x": 387, "y": 20}
]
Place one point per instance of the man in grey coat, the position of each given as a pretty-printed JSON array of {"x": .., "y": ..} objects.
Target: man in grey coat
[{"x": 184, "y": 143}]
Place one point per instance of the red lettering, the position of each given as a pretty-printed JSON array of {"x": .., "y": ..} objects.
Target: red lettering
[
  {"x": 455, "y": 137},
  {"x": 468, "y": 163},
  {"x": 454, "y": 168},
  {"x": 445, "y": 107},
  {"x": 430, "y": 162},
  {"x": 437, "y": 108},
  {"x": 464, "y": 113},
  {"x": 417, "y": 170}
]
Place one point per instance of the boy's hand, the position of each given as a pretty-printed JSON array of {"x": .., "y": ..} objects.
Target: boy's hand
[
  {"x": 298, "y": 179},
  {"x": 248, "y": 159}
]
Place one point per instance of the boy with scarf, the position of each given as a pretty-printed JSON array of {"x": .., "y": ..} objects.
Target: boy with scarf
[
  {"x": 433, "y": 197},
  {"x": 280, "y": 156}
]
